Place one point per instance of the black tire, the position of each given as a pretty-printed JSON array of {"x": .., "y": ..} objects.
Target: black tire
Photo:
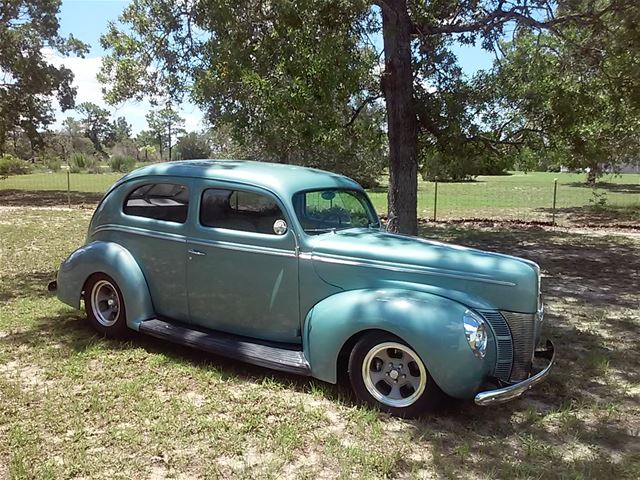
[
  {"x": 96, "y": 302},
  {"x": 414, "y": 397}
]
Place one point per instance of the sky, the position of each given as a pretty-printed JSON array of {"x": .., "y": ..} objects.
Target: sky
[{"x": 88, "y": 19}]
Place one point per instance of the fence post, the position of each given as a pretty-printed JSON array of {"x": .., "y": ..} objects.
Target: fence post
[
  {"x": 435, "y": 199},
  {"x": 68, "y": 188},
  {"x": 555, "y": 194}
]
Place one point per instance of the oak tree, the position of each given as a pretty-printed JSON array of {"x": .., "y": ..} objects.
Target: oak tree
[
  {"x": 307, "y": 77},
  {"x": 29, "y": 33}
]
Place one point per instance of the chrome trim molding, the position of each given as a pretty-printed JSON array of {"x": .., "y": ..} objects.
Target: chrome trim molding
[
  {"x": 399, "y": 267},
  {"x": 500, "y": 395},
  {"x": 241, "y": 247},
  {"x": 110, "y": 227}
]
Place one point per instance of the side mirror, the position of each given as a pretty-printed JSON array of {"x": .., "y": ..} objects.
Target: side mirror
[{"x": 280, "y": 227}]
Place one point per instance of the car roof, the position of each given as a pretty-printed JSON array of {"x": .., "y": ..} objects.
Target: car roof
[{"x": 282, "y": 179}]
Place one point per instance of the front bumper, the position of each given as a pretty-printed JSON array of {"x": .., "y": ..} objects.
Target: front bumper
[{"x": 500, "y": 395}]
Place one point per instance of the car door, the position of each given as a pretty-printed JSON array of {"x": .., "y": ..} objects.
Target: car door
[
  {"x": 242, "y": 267},
  {"x": 152, "y": 226}
]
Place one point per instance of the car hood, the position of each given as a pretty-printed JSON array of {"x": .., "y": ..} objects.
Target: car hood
[{"x": 361, "y": 258}]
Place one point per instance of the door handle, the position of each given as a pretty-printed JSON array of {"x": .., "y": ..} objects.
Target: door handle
[{"x": 197, "y": 253}]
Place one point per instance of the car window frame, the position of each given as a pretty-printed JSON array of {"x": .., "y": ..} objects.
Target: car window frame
[
  {"x": 320, "y": 189},
  {"x": 142, "y": 182},
  {"x": 207, "y": 184}
]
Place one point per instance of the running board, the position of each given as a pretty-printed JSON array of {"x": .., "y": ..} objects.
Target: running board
[{"x": 232, "y": 346}]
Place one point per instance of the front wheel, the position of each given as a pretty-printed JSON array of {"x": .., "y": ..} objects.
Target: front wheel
[
  {"x": 105, "y": 306},
  {"x": 387, "y": 374}
]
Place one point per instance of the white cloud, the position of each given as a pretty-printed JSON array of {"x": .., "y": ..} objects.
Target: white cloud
[{"x": 90, "y": 90}]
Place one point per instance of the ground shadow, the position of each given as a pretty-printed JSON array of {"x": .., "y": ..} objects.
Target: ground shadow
[
  {"x": 590, "y": 285},
  {"x": 47, "y": 198},
  {"x": 619, "y": 216},
  {"x": 608, "y": 186},
  {"x": 26, "y": 284}
]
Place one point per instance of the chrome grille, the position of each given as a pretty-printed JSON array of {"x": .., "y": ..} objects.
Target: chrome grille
[
  {"x": 522, "y": 326},
  {"x": 515, "y": 341},
  {"x": 504, "y": 346}
]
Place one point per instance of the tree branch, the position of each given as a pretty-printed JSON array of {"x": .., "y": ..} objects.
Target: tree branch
[
  {"x": 519, "y": 14},
  {"x": 356, "y": 111}
]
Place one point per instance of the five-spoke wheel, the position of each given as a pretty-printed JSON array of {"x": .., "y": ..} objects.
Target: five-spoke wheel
[{"x": 387, "y": 374}]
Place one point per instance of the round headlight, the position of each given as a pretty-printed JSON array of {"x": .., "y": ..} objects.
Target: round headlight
[{"x": 475, "y": 329}]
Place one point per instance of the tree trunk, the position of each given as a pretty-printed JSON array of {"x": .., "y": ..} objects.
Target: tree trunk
[{"x": 397, "y": 86}]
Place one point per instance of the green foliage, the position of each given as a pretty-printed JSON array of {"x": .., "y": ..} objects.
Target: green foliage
[
  {"x": 300, "y": 81},
  {"x": 598, "y": 199},
  {"x": 193, "y": 145},
  {"x": 577, "y": 93},
  {"x": 300, "y": 88},
  {"x": 28, "y": 28},
  {"x": 10, "y": 165},
  {"x": 52, "y": 163},
  {"x": 122, "y": 164},
  {"x": 164, "y": 125},
  {"x": 82, "y": 163},
  {"x": 120, "y": 130},
  {"x": 96, "y": 124},
  {"x": 79, "y": 161}
]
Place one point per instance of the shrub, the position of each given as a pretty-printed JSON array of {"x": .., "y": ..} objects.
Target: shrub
[
  {"x": 10, "y": 165},
  {"x": 53, "y": 163},
  {"x": 78, "y": 162},
  {"x": 120, "y": 163},
  {"x": 83, "y": 163}
]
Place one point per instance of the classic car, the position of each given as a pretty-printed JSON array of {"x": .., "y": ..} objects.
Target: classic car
[{"x": 288, "y": 268}]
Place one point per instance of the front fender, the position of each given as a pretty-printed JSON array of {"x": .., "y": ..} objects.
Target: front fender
[
  {"x": 114, "y": 260},
  {"x": 430, "y": 324}
]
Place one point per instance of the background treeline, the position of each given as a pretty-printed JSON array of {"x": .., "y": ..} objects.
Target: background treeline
[{"x": 308, "y": 82}]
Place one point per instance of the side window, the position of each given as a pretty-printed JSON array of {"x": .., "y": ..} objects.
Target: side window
[
  {"x": 238, "y": 210},
  {"x": 161, "y": 201}
]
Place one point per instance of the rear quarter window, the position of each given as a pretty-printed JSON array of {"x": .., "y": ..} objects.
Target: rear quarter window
[{"x": 168, "y": 202}]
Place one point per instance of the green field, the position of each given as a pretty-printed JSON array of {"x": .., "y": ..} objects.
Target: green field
[
  {"x": 74, "y": 405},
  {"x": 519, "y": 196}
]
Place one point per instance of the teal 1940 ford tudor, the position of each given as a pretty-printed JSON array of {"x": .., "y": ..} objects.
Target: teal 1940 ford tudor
[{"x": 287, "y": 267}]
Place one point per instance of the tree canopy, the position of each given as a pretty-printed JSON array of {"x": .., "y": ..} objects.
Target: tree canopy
[
  {"x": 164, "y": 125},
  {"x": 307, "y": 81},
  {"x": 28, "y": 80},
  {"x": 577, "y": 93}
]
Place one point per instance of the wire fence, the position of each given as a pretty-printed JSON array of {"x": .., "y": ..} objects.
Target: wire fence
[{"x": 560, "y": 198}]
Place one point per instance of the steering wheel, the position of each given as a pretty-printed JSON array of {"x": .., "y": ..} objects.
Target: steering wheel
[{"x": 334, "y": 217}]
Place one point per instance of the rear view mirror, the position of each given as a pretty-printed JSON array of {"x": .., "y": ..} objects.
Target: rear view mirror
[{"x": 328, "y": 195}]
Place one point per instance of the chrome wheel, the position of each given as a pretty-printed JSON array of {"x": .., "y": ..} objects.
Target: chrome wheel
[
  {"x": 105, "y": 303},
  {"x": 394, "y": 374}
]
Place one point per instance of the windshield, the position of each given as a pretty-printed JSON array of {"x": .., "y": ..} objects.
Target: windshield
[{"x": 322, "y": 211}]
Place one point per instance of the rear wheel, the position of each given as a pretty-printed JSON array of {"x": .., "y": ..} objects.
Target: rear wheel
[
  {"x": 105, "y": 306},
  {"x": 387, "y": 374}
]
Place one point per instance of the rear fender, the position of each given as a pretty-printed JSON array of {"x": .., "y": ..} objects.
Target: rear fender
[
  {"x": 430, "y": 324},
  {"x": 117, "y": 262}
]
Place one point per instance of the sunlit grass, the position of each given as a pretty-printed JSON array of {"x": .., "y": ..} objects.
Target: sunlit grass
[{"x": 74, "y": 405}]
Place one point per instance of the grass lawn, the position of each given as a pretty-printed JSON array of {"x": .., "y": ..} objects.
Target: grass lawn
[
  {"x": 76, "y": 405},
  {"x": 519, "y": 196},
  {"x": 522, "y": 196}
]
